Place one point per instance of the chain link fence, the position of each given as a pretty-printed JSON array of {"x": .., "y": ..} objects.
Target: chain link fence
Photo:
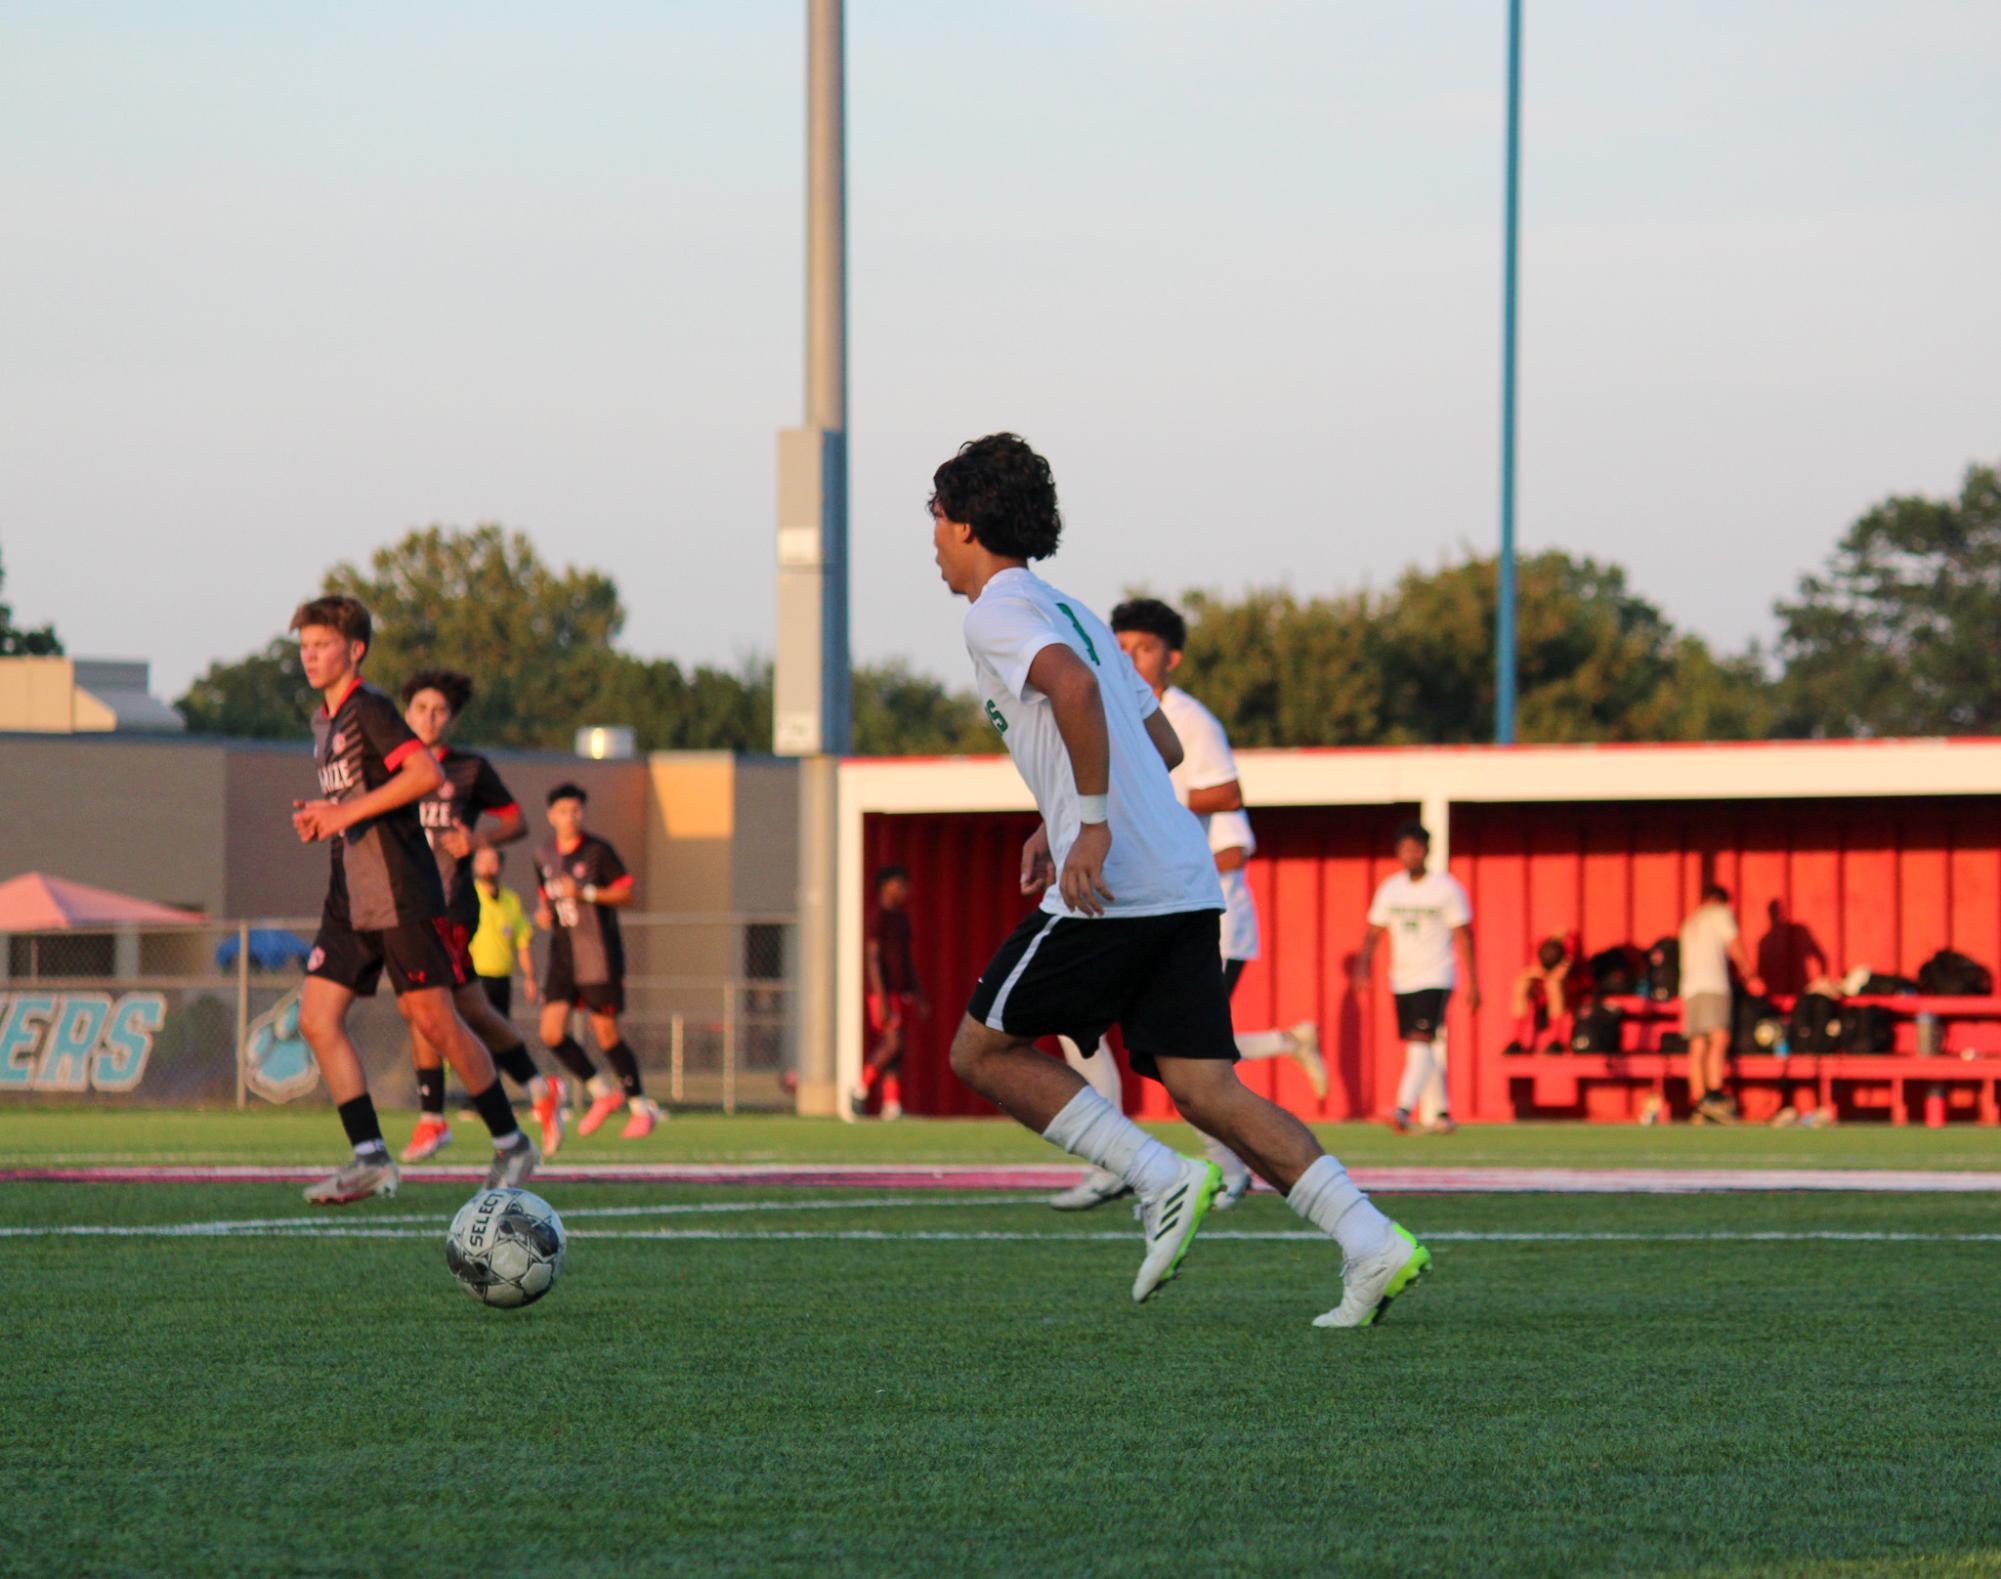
[{"x": 207, "y": 1014}]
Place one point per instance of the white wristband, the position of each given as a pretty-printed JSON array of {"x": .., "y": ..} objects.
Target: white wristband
[
  {"x": 1093, "y": 808},
  {"x": 589, "y": 893}
]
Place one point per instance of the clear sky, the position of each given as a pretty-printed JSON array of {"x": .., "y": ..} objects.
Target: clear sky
[{"x": 282, "y": 281}]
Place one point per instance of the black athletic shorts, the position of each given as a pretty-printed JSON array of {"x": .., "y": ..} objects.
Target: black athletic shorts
[
  {"x": 594, "y": 997},
  {"x": 1159, "y": 978},
  {"x": 419, "y": 954},
  {"x": 499, "y": 992},
  {"x": 1233, "y": 972},
  {"x": 1419, "y": 1014}
]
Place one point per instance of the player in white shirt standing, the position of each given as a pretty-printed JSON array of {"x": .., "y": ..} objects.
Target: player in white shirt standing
[
  {"x": 1154, "y": 637},
  {"x": 1128, "y": 929},
  {"x": 1426, "y": 914}
]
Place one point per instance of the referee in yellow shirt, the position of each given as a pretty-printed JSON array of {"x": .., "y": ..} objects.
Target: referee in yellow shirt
[{"x": 504, "y": 934}]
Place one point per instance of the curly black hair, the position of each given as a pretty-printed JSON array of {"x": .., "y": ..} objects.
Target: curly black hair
[
  {"x": 1411, "y": 830},
  {"x": 454, "y": 687},
  {"x": 1153, "y": 618},
  {"x": 1004, "y": 491}
]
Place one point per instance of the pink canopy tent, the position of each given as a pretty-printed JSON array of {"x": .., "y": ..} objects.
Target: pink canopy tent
[{"x": 37, "y": 902}]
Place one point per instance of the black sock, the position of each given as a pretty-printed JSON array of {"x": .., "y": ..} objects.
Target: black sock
[
  {"x": 364, "y": 1133},
  {"x": 495, "y": 1113},
  {"x": 515, "y": 1063},
  {"x": 626, "y": 1067},
  {"x": 431, "y": 1092},
  {"x": 573, "y": 1058}
]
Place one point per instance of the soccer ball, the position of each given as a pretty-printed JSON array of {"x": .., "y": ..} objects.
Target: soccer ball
[{"x": 506, "y": 1247}]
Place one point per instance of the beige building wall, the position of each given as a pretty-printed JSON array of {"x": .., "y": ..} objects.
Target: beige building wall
[
  {"x": 207, "y": 825},
  {"x": 141, "y": 816},
  {"x": 38, "y": 694}
]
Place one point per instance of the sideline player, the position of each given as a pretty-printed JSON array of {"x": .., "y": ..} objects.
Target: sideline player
[
  {"x": 1154, "y": 637},
  {"x": 1128, "y": 929},
  {"x": 385, "y": 905},
  {"x": 433, "y": 701},
  {"x": 583, "y": 885},
  {"x": 894, "y": 997},
  {"x": 1425, "y": 914}
]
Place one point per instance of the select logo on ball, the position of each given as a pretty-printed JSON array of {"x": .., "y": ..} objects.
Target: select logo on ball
[{"x": 506, "y": 1247}]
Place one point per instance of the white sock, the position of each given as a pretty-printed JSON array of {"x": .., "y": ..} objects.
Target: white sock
[
  {"x": 1266, "y": 1044},
  {"x": 1100, "y": 1070},
  {"x": 1091, "y": 1128},
  {"x": 1417, "y": 1067},
  {"x": 1222, "y": 1156},
  {"x": 1327, "y": 1198},
  {"x": 601, "y": 1087},
  {"x": 513, "y": 1142},
  {"x": 1442, "y": 1104}
]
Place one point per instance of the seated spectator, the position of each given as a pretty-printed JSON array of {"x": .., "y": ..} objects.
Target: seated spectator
[{"x": 1540, "y": 999}]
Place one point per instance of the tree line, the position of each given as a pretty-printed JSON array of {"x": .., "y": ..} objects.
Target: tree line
[{"x": 1894, "y": 635}]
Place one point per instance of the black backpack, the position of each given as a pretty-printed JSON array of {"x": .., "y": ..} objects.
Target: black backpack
[
  {"x": 1815, "y": 1024},
  {"x": 1887, "y": 987},
  {"x": 1868, "y": 1028},
  {"x": 1755, "y": 1025},
  {"x": 1614, "y": 971},
  {"x": 1597, "y": 1031},
  {"x": 1950, "y": 974},
  {"x": 1664, "y": 969}
]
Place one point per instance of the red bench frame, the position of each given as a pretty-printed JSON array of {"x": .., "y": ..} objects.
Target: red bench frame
[{"x": 1558, "y": 1079}]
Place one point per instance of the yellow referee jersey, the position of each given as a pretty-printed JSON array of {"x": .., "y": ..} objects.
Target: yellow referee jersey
[{"x": 503, "y": 928}]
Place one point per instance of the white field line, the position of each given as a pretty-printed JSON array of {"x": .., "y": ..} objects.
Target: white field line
[
  {"x": 404, "y": 1225},
  {"x": 309, "y": 1230}
]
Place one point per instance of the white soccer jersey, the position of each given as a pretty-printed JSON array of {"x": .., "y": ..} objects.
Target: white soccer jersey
[
  {"x": 1419, "y": 917},
  {"x": 1206, "y": 762},
  {"x": 1159, "y": 861}
]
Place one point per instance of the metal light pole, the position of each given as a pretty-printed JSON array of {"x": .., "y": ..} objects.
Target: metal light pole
[
  {"x": 1504, "y": 616},
  {"x": 811, "y": 699}
]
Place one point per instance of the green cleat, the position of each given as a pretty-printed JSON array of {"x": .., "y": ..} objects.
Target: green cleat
[
  {"x": 1369, "y": 1283},
  {"x": 1168, "y": 1222}
]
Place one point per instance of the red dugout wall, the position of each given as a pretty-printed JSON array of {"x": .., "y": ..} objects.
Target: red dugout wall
[{"x": 1882, "y": 883}]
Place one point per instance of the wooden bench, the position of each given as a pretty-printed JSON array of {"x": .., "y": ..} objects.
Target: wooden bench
[{"x": 1903, "y": 1080}]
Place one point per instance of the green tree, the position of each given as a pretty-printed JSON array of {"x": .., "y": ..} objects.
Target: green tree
[
  {"x": 261, "y": 697},
  {"x": 1897, "y": 634},
  {"x": 898, "y": 713},
  {"x": 1284, "y": 672},
  {"x": 18, "y": 643},
  {"x": 1415, "y": 664}
]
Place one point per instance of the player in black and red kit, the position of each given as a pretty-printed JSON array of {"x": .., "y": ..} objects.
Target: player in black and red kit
[
  {"x": 385, "y": 907},
  {"x": 433, "y": 699},
  {"x": 894, "y": 998},
  {"x": 583, "y": 885}
]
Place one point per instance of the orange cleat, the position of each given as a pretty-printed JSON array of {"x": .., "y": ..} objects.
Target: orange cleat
[
  {"x": 645, "y": 1114},
  {"x": 431, "y": 1136},
  {"x": 601, "y": 1109},
  {"x": 548, "y": 1110}
]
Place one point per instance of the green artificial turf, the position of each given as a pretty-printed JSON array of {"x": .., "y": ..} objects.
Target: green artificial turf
[
  {"x": 60, "y": 1136},
  {"x": 1656, "y": 1402}
]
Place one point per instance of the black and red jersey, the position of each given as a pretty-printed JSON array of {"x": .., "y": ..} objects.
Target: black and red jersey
[
  {"x": 471, "y": 790},
  {"x": 586, "y": 933},
  {"x": 383, "y": 874},
  {"x": 889, "y": 930}
]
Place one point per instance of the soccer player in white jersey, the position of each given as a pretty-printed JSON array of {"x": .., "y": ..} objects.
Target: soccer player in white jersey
[
  {"x": 1127, "y": 932},
  {"x": 1425, "y": 914},
  {"x": 1154, "y": 637}
]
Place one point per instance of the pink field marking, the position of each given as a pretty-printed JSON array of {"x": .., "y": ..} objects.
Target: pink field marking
[{"x": 866, "y": 1176}]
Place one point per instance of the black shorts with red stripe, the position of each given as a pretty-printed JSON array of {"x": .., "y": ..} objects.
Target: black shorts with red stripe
[{"x": 417, "y": 955}]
